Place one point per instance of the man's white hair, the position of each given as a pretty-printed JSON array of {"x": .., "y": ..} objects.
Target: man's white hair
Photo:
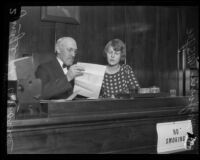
[{"x": 61, "y": 40}]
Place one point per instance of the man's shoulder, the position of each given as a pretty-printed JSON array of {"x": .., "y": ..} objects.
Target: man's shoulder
[
  {"x": 50, "y": 63},
  {"x": 49, "y": 67}
]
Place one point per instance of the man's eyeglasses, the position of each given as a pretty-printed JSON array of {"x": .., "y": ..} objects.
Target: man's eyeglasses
[{"x": 72, "y": 50}]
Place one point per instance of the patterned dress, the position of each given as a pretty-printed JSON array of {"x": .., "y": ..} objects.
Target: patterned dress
[{"x": 120, "y": 82}]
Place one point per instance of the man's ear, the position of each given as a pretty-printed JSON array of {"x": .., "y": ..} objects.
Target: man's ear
[{"x": 57, "y": 49}]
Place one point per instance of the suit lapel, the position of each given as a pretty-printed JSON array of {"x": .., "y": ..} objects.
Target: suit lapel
[{"x": 58, "y": 69}]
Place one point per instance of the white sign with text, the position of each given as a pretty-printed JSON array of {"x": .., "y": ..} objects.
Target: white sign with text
[{"x": 172, "y": 135}]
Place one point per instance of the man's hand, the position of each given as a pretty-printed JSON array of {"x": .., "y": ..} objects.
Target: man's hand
[{"x": 74, "y": 71}]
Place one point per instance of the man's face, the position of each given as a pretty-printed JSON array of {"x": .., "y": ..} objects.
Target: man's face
[{"x": 67, "y": 51}]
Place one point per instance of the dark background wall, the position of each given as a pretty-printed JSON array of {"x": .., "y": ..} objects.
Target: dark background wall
[{"x": 151, "y": 35}]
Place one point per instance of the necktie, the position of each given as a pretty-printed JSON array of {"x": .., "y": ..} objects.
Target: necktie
[{"x": 64, "y": 66}]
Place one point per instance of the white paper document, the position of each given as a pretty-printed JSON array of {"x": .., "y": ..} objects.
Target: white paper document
[{"x": 89, "y": 84}]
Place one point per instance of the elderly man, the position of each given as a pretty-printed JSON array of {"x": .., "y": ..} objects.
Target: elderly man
[{"x": 56, "y": 78}]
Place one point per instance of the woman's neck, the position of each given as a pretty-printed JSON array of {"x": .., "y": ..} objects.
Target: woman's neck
[{"x": 112, "y": 69}]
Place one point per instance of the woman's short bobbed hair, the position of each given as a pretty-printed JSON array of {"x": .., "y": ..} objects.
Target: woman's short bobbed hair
[{"x": 117, "y": 45}]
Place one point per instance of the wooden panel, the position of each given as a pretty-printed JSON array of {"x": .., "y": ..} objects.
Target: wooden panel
[
  {"x": 39, "y": 36},
  {"x": 117, "y": 106},
  {"x": 94, "y": 110},
  {"x": 99, "y": 24},
  {"x": 104, "y": 137},
  {"x": 165, "y": 70},
  {"x": 188, "y": 19},
  {"x": 152, "y": 45},
  {"x": 65, "y": 30},
  {"x": 103, "y": 127},
  {"x": 140, "y": 40}
]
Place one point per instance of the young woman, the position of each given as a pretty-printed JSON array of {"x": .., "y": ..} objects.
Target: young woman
[{"x": 118, "y": 78}]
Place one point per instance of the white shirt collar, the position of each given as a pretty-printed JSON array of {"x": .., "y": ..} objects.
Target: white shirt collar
[{"x": 60, "y": 62}]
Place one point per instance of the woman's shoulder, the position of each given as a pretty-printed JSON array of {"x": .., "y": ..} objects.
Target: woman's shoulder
[{"x": 126, "y": 67}]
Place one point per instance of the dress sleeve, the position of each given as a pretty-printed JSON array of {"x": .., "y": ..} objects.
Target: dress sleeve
[{"x": 131, "y": 79}]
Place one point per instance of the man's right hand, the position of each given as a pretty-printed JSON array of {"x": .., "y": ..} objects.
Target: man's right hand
[{"x": 74, "y": 71}]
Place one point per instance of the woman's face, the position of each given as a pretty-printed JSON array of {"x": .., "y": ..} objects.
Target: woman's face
[{"x": 113, "y": 57}]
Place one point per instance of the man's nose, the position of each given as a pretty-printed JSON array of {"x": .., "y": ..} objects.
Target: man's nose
[{"x": 73, "y": 53}]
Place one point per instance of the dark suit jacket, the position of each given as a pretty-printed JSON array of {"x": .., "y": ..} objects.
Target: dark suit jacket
[{"x": 54, "y": 82}]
